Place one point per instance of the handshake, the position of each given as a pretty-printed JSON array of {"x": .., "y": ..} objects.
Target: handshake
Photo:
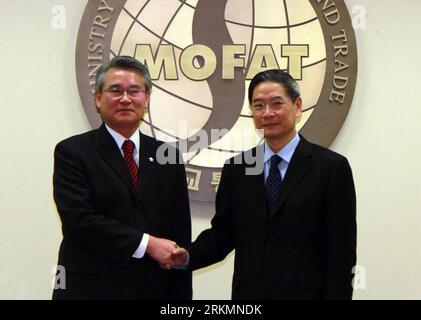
[{"x": 167, "y": 253}]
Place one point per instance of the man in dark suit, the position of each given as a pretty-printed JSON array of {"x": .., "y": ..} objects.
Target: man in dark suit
[
  {"x": 293, "y": 225},
  {"x": 117, "y": 203}
]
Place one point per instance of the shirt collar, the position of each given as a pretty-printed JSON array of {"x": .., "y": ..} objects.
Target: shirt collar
[
  {"x": 286, "y": 152},
  {"x": 119, "y": 139}
]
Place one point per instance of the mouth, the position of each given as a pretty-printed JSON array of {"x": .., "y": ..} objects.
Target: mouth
[{"x": 269, "y": 125}]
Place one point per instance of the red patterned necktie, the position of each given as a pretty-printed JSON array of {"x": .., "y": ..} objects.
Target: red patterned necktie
[{"x": 128, "y": 148}]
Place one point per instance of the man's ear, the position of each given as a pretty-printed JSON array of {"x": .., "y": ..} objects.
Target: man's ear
[
  {"x": 97, "y": 96},
  {"x": 299, "y": 104},
  {"x": 148, "y": 101}
]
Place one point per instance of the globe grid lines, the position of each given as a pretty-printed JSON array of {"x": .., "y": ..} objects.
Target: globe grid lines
[
  {"x": 160, "y": 42},
  {"x": 135, "y": 20},
  {"x": 187, "y": 4},
  {"x": 162, "y": 39},
  {"x": 287, "y": 20},
  {"x": 253, "y": 14},
  {"x": 131, "y": 25},
  {"x": 271, "y": 27}
]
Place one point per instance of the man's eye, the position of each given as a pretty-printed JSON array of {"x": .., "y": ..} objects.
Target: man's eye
[
  {"x": 134, "y": 90},
  {"x": 114, "y": 89},
  {"x": 278, "y": 104}
]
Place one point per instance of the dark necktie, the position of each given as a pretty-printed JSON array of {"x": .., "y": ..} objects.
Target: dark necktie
[
  {"x": 128, "y": 147},
  {"x": 273, "y": 182}
]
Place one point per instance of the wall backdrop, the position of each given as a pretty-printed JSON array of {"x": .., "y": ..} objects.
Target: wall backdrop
[{"x": 380, "y": 137}]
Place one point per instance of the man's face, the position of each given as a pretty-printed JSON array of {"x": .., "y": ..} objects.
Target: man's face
[
  {"x": 274, "y": 111},
  {"x": 123, "y": 99}
]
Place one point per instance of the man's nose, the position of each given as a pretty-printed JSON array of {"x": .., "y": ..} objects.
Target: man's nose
[
  {"x": 267, "y": 111},
  {"x": 125, "y": 97}
]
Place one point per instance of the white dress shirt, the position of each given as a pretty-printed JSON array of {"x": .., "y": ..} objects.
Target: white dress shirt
[
  {"x": 285, "y": 153},
  {"x": 119, "y": 140}
]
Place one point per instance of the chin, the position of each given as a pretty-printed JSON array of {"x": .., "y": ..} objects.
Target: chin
[
  {"x": 271, "y": 132},
  {"x": 128, "y": 118},
  {"x": 274, "y": 134},
  {"x": 126, "y": 122}
]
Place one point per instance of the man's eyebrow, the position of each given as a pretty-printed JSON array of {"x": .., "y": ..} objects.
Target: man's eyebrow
[
  {"x": 273, "y": 98},
  {"x": 120, "y": 86}
]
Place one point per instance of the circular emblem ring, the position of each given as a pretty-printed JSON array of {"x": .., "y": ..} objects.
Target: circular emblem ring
[{"x": 202, "y": 55}]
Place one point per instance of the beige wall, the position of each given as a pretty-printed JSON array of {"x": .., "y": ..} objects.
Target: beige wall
[{"x": 40, "y": 106}]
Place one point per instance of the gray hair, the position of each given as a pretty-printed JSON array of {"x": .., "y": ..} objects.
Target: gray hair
[{"x": 122, "y": 62}]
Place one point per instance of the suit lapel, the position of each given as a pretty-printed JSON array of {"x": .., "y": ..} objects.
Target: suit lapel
[
  {"x": 255, "y": 179},
  {"x": 298, "y": 167},
  {"x": 257, "y": 184},
  {"x": 109, "y": 151},
  {"x": 147, "y": 163}
]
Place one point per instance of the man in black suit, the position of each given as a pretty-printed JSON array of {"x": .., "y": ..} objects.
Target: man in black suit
[
  {"x": 117, "y": 203},
  {"x": 293, "y": 225}
]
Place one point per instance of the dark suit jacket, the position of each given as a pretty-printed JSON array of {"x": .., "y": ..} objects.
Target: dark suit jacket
[
  {"x": 306, "y": 249},
  {"x": 103, "y": 219}
]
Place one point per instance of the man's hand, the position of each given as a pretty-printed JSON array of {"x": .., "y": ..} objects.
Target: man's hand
[
  {"x": 161, "y": 250},
  {"x": 179, "y": 257}
]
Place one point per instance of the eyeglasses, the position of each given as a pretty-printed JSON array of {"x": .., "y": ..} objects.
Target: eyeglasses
[
  {"x": 274, "y": 105},
  {"x": 118, "y": 92}
]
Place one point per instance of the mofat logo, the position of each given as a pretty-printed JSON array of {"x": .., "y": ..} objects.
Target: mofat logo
[{"x": 202, "y": 55}]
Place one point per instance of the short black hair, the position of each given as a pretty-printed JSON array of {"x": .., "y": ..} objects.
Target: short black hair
[
  {"x": 278, "y": 76},
  {"x": 123, "y": 62}
]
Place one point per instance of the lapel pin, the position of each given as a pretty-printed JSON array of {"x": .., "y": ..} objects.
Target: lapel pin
[{"x": 150, "y": 159}]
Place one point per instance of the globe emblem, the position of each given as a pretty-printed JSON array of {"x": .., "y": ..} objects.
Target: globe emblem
[
  {"x": 179, "y": 109},
  {"x": 202, "y": 55}
]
